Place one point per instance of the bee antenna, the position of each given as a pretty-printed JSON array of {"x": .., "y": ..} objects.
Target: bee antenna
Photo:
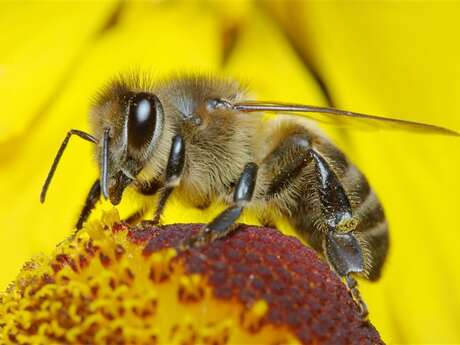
[
  {"x": 105, "y": 164},
  {"x": 59, "y": 154}
]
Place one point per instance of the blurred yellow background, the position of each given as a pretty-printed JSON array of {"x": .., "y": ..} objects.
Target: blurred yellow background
[{"x": 399, "y": 59}]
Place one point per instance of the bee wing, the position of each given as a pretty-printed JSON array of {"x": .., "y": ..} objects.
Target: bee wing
[{"x": 343, "y": 117}]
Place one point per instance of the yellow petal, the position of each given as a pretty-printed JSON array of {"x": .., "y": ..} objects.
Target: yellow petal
[{"x": 41, "y": 43}]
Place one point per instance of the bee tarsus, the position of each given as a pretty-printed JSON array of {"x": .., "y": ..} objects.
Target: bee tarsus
[{"x": 352, "y": 286}]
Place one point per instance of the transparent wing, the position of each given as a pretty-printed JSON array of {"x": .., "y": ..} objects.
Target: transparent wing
[{"x": 342, "y": 117}]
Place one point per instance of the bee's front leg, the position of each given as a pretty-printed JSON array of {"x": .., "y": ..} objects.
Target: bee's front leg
[
  {"x": 93, "y": 197},
  {"x": 173, "y": 174},
  {"x": 174, "y": 170},
  {"x": 224, "y": 223}
]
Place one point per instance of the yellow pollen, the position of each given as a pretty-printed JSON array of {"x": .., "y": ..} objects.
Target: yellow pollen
[
  {"x": 109, "y": 218},
  {"x": 347, "y": 225},
  {"x": 216, "y": 333},
  {"x": 253, "y": 317},
  {"x": 191, "y": 288},
  {"x": 160, "y": 264}
]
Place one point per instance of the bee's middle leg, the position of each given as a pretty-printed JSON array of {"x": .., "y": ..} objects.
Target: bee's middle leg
[{"x": 224, "y": 223}]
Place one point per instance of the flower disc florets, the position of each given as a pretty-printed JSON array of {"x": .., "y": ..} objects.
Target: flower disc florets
[{"x": 116, "y": 284}]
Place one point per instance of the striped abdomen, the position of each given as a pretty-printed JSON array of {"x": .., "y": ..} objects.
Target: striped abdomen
[{"x": 301, "y": 161}]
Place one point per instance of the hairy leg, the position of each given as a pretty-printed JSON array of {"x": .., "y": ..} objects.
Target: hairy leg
[{"x": 224, "y": 223}]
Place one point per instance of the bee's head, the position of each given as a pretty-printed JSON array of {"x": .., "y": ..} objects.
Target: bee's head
[{"x": 128, "y": 124}]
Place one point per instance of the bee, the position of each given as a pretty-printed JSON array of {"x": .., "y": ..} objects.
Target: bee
[{"x": 202, "y": 137}]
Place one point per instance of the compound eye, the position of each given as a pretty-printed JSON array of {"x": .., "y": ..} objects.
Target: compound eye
[{"x": 142, "y": 112}]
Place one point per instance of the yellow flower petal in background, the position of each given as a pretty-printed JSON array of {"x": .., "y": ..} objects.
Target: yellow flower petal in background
[
  {"x": 41, "y": 44},
  {"x": 399, "y": 58}
]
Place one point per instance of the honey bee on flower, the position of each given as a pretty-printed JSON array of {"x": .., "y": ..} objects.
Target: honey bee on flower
[
  {"x": 388, "y": 58},
  {"x": 200, "y": 136}
]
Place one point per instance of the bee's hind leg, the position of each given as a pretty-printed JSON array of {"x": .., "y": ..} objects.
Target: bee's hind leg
[
  {"x": 341, "y": 246},
  {"x": 224, "y": 223},
  {"x": 322, "y": 210}
]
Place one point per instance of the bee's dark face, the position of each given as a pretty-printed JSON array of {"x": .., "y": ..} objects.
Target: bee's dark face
[{"x": 131, "y": 124}]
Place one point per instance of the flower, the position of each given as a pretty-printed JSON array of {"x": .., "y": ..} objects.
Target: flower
[
  {"x": 118, "y": 285},
  {"x": 385, "y": 58}
]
